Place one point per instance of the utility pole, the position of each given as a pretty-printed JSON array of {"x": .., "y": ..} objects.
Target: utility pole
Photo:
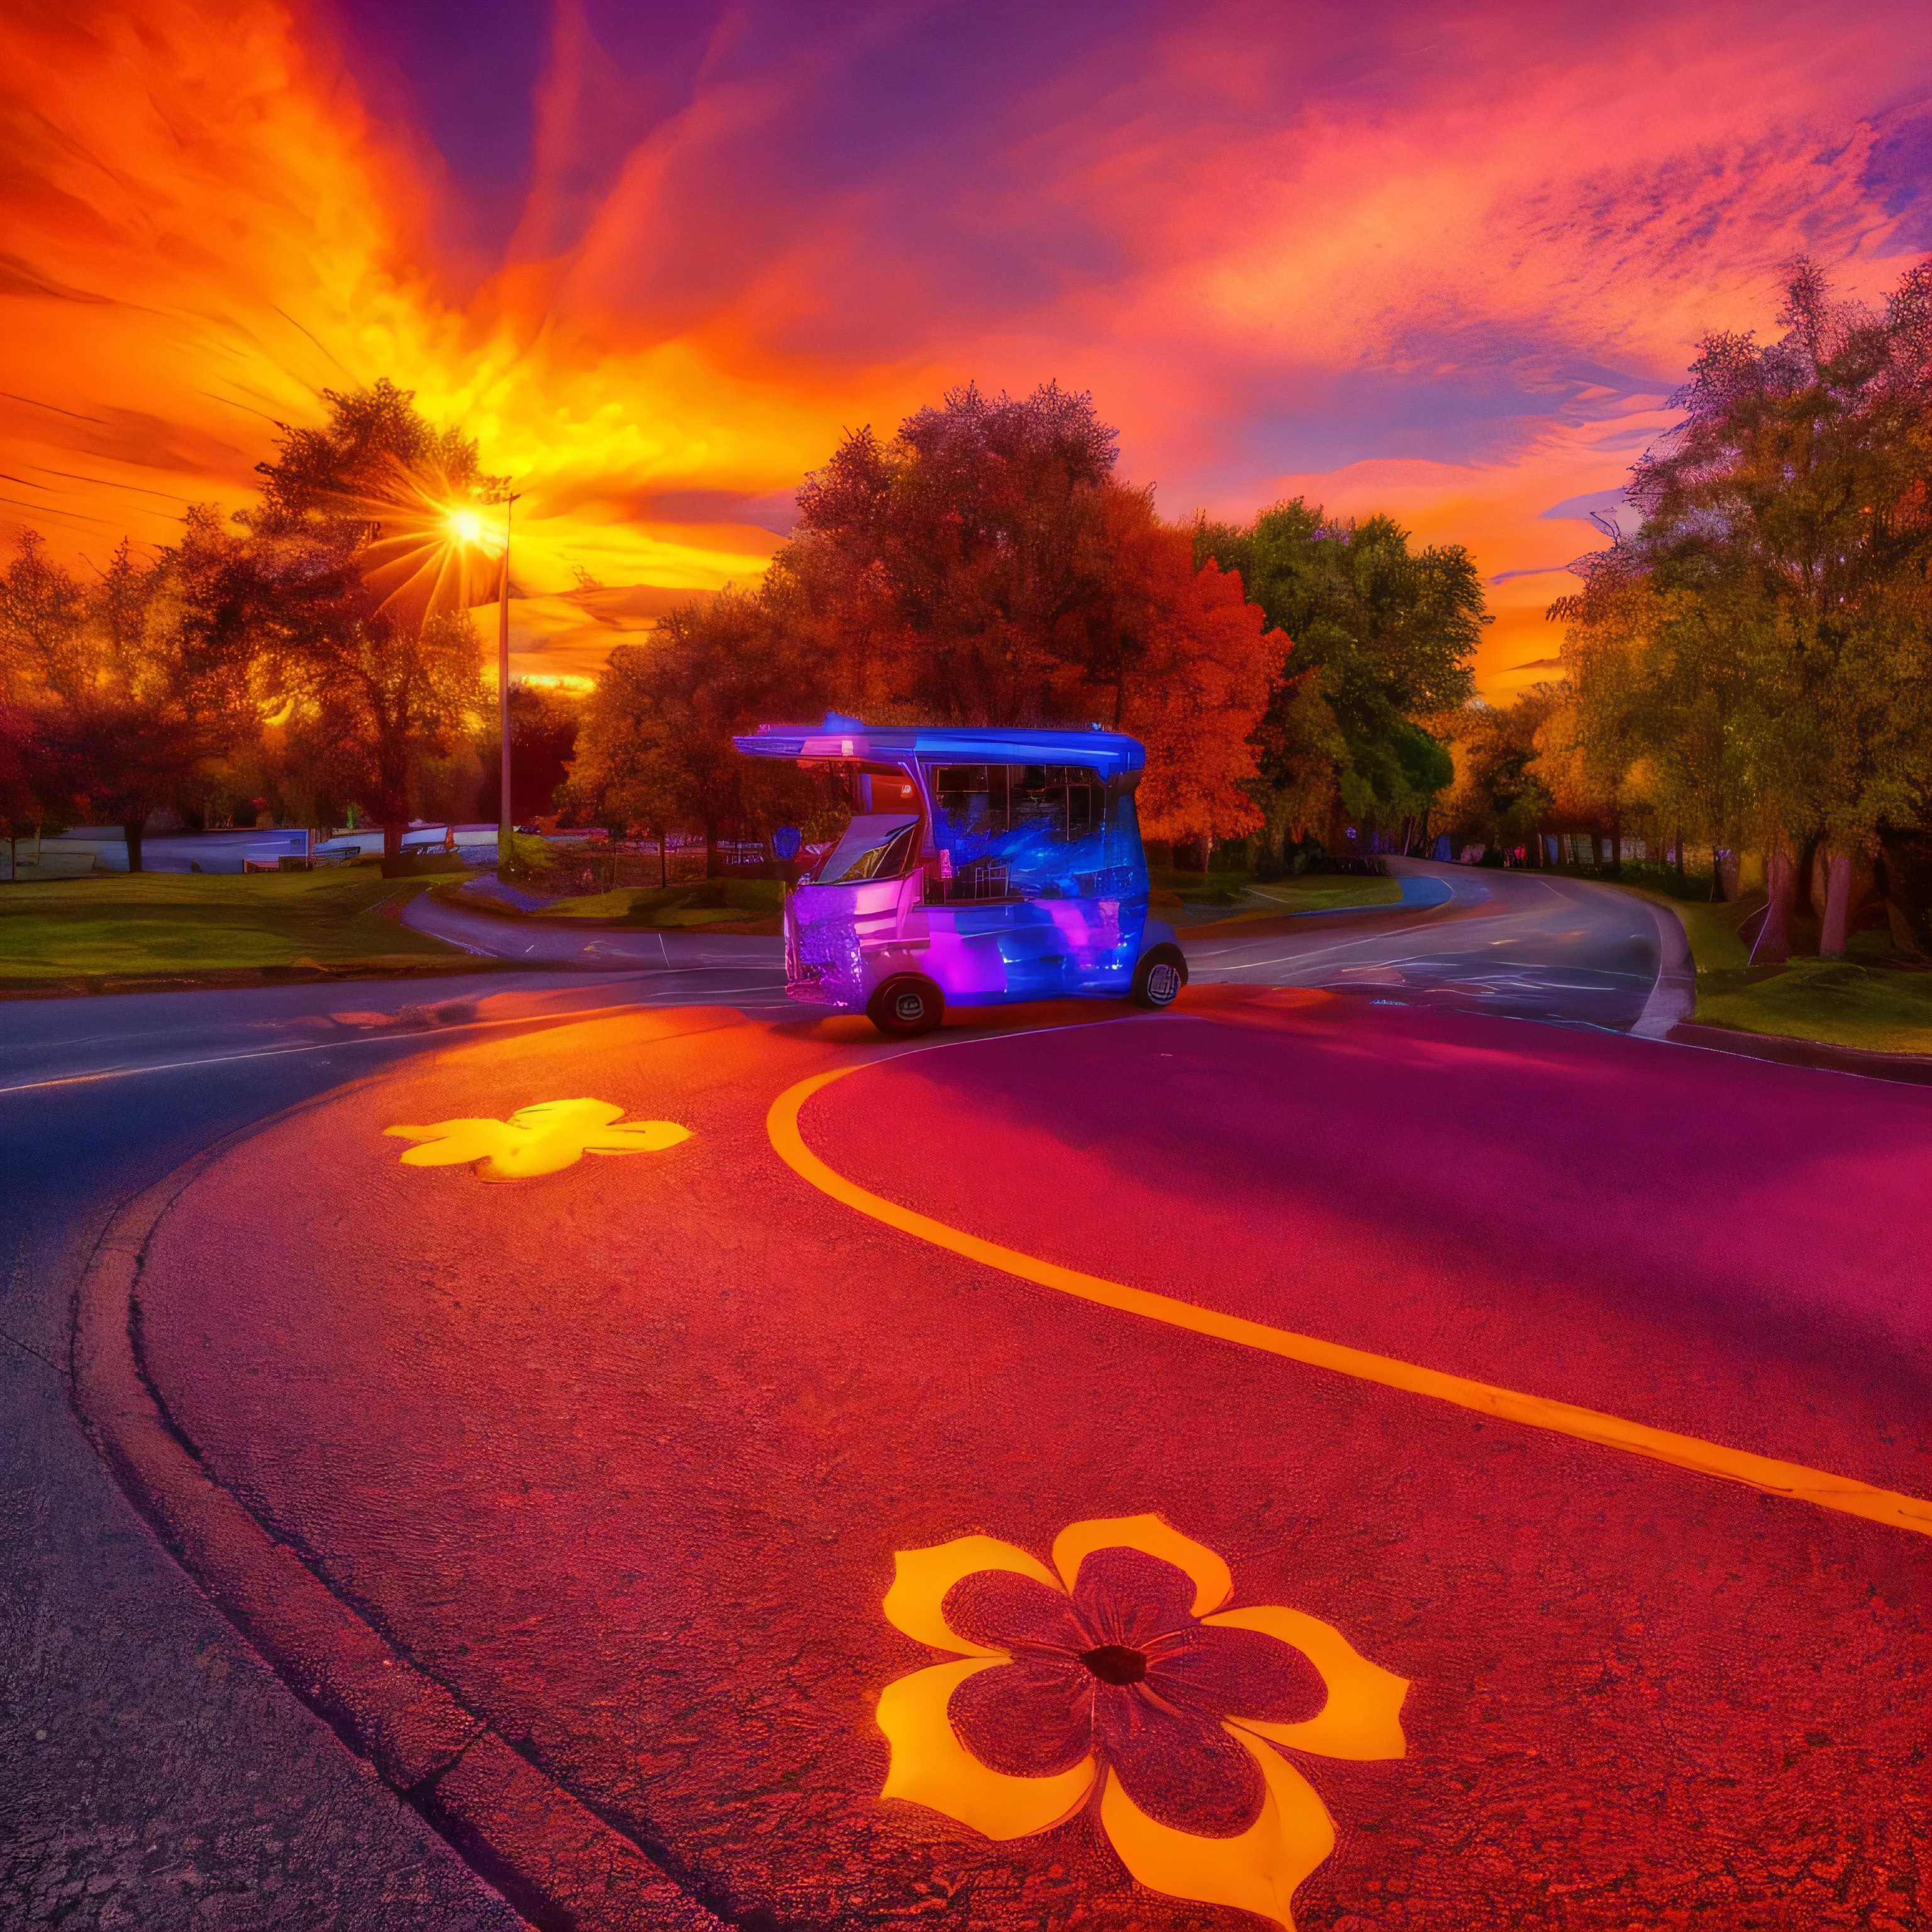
[{"x": 506, "y": 848}]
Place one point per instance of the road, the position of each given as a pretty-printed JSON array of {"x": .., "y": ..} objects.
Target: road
[
  {"x": 1528, "y": 945},
  {"x": 153, "y": 1772},
  {"x": 622, "y": 1468}
]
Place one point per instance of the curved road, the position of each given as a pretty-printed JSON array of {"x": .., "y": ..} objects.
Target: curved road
[
  {"x": 1526, "y": 944},
  {"x": 785, "y": 1391}
]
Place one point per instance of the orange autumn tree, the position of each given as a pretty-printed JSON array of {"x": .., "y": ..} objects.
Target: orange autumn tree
[
  {"x": 984, "y": 566},
  {"x": 1186, "y": 661}
]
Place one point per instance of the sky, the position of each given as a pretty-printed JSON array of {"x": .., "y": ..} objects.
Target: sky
[{"x": 1446, "y": 263}]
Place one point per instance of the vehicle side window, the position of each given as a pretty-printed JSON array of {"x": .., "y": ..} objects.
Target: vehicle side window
[
  {"x": 1058, "y": 804},
  {"x": 968, "y": 801},
  {"x": 887, "y": 788},
  {"x": 1062, "y": 803}
]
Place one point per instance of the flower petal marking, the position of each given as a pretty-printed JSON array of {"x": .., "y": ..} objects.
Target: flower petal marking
[
  {"x": 1182, "y": 1769},
  {"x": 921, "y": 1577},
  {"x": 1257, "y": 1871},
  {"x": 1360, "y": 1718},
  {"x": 1124, "y": 1596},
  {"x": 541, "y": 1138},
  {"x": 1031, "y": 1718},
  {"x": 1213, "y": 1582},
  {"x": 930, "y": 1766}
]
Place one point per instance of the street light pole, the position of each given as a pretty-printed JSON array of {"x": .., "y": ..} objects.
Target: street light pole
[{"x": 505, "y": 826}]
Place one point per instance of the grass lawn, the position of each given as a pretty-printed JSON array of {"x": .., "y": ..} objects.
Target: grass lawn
[
  {"x": 176, "y": 925},
  {"x": 1242, "y": 895},
  {"x": 735, "y": 902},
  {"x": 1869, "y": 999},
  {"x": 1838, "y": 1001},
  {"x": 1329, "y": 892}
]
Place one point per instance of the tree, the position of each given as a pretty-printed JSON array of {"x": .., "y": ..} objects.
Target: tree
[
  {"x": 1767, "y": 634},
  {"x": 362, "y": 598},
  {"x": 655, "y": 745},
  {"x": 22, "y": 780},
  {"x": 953, "y": 572},
  {"x": 1186, "y": 661},
  {"x": 130, "y": 692},
  {"x": 1301, "y": 753},
  {"x": 1387, "y": 634},
  {"x": 986, "y": 567},
  {"x": 543, "y": 738},
  {"x": 1499, "y": 795}
]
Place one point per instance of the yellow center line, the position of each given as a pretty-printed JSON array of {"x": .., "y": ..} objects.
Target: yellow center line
[{"x": 1585, "y": 1425}]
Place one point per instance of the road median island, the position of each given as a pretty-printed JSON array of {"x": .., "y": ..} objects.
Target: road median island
[{"x": 744, "y": 906}]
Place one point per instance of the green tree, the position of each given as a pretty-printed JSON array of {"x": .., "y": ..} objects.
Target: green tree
[
  {"x": 655, "y": 748},
  {"x": 1388, "y": 634},
  {"x": 1762, "y": 646},
  {"x": 958, "y": 571},
  {"x": 543, "y": 725},
  {"x": 1500, "y": 796},
  {"x": 985, "y": 566}
]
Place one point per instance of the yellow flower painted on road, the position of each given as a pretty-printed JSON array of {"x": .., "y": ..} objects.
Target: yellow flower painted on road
[
  {"x": 1123, "y": 1678},
  {"x": 538, "y": 1139}
]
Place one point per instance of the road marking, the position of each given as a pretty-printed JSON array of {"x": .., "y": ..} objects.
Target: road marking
[
  {"x": 1684, "y": 1452},
  {"x": 330, "y": 1046}
]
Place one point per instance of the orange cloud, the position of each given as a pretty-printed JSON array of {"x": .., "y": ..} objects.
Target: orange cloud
[{"x": 1448, "y": 267}]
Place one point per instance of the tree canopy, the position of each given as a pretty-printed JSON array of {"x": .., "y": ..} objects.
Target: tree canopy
[
  {"x": 360, "y": 598},
  {"x": 984, "y": 566},
  {"x": 121, "y": 696},
  {"x": 1755, "y": 664},
  {"x": 1383, "y": 638}
]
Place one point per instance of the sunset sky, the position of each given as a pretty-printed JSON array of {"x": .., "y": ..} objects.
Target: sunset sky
[{"x": 1446, "y": 263}]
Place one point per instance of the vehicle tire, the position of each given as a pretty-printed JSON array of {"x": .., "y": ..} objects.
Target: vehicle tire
[
  {"x": 1159, "y": 978},
  {"x": 906, "y": 1004}
]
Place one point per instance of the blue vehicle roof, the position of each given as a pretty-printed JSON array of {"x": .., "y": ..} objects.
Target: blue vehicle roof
[{"x": 1112, "y": 753}]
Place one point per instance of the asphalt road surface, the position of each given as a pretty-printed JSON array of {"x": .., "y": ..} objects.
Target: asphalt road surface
[
  {"x": 1528, "y": 945},
  {"x": 620, "y": 1458}
]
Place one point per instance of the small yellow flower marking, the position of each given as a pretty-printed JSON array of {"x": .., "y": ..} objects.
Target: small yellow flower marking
[{"x": 537, "y": 1139}]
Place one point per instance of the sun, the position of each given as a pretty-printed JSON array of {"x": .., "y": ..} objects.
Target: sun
[{"x": 465, "y": 525}]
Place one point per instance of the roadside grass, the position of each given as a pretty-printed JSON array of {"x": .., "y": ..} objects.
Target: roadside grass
[
  {"x": 1872, "y": 998},
  {"x": 703, "y": 902},
  {"x": 1237, "y": 891},
  {"x": 1838, "y": 1001},
  {"x": 1330, "y": 892},
  {"x": 147, "y": 925},
  {"x": 1172, "y": 887}
]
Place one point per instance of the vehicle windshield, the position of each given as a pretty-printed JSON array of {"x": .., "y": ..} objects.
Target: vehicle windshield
[
  {"x": 875, "y": 845},
  {"x": 840, "y": 790}
]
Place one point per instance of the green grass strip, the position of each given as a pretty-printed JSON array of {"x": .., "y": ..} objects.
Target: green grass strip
[{"x": 174, "y": 922}]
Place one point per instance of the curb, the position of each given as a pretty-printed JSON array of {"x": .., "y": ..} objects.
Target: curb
[
  {"x": 1674, "y": 998},
  {"x": 1915, "y": 1070},
  {"x": 549, "y": 1854}
]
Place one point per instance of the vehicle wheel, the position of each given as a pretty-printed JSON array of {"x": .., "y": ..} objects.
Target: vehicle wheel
[
  {"x": 906, "y": 1004},
  {"x": 1159, "y": 977}
]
